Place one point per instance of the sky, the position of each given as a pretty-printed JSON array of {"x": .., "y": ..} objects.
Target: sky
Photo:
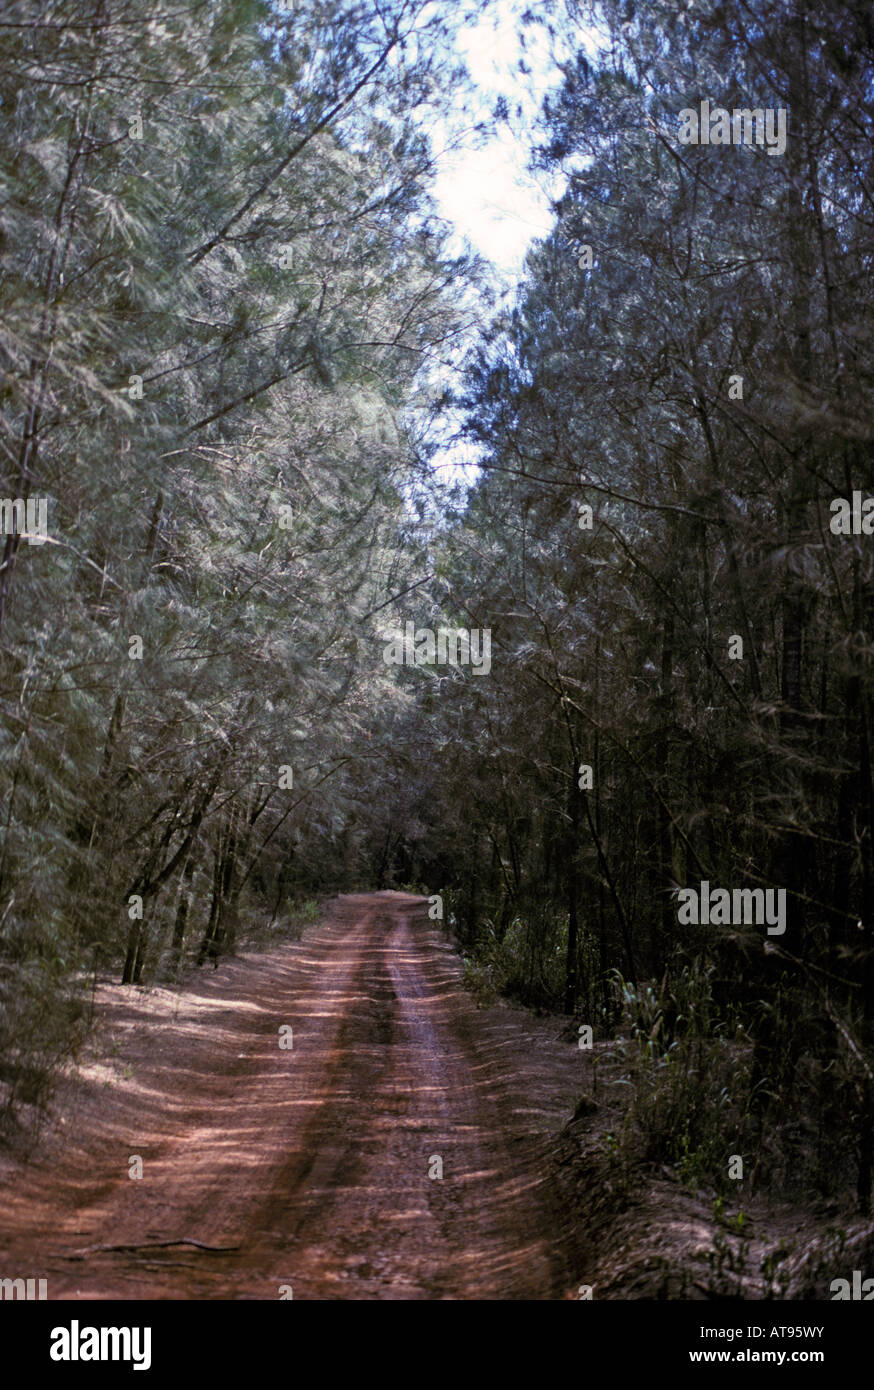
[
  {"x": 483, "y": 187},
  {"x": 487, "y": 193},
  {"x": 485, "y": 190}
]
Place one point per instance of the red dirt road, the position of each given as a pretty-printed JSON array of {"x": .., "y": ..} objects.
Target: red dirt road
[{"x": 314, "y": 1162}]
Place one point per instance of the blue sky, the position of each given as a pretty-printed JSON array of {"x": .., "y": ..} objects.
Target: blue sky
[
  {"x": 483, "y": 187},
  {"x": 487, "y": 193}
]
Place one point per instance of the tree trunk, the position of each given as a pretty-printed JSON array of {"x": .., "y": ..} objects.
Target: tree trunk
[{"x": 573, "y": 889}]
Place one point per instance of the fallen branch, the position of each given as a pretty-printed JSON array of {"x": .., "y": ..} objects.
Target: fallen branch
[{"x": 150, "y": 1245}]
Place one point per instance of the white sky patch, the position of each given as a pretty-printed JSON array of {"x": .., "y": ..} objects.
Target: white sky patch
[
  {"x": 487, "y": 193},
  {"x": 483, "y": 186}
]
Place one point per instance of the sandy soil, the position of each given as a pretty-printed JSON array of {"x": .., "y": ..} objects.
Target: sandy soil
[{"x": 312, "y": 1163}]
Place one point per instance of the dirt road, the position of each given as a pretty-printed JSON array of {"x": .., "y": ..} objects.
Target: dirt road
[{"x": 317, "y": 1164}]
